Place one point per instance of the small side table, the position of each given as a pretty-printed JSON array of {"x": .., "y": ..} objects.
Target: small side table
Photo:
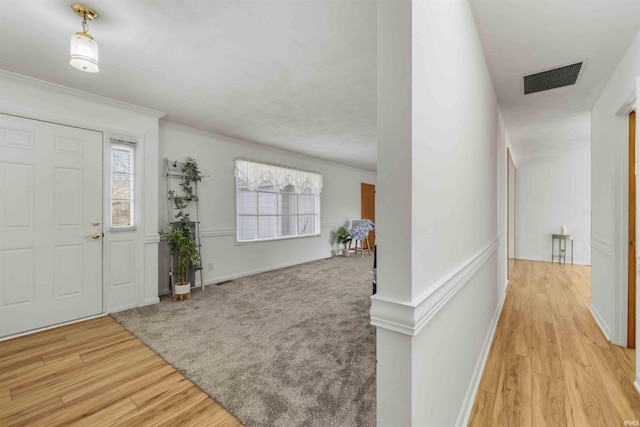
[{"x": 562, "y": 247}]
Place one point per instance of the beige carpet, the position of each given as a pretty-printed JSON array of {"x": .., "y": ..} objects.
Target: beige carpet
[{"x": 291, "y": 347}]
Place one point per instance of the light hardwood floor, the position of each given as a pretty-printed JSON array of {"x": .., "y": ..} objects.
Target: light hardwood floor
[
  {"x": 549, "y": 363},
  {"x": 95, "y": 373}
]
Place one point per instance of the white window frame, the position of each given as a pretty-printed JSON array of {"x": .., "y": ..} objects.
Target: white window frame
[
  {"x": 239, "y": 187},
  {"x": 131, "y": 147}
]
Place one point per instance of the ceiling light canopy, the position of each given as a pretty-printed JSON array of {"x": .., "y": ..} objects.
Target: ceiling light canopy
[{"x": 84, "y": 50}]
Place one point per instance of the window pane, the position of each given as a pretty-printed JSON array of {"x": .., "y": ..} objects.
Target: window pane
[
  {"x": 306, "y": 203},
  {"x": 287, "y": 225},
  {"x": 246, "y": 228},
  {"x": 306, "y": 224},
  {"x": 121, "y": 160},
  {"x": 267, "y": 226},
  {"x": 267, "y": 203},
  {"x": 286, "y": 204},
  {"x": 246, "y": 202},
  {"x": 120, "y": 213},
  {"x": 122, "y": 185}
]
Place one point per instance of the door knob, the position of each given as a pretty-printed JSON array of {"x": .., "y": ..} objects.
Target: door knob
[{"x": 93, "y": 236}]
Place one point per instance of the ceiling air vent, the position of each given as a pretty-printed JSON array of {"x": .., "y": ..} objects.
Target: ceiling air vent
[{"x": 566, "y": 75}]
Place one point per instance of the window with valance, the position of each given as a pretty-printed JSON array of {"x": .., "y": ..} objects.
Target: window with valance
[{"x": 274, "y": 202}]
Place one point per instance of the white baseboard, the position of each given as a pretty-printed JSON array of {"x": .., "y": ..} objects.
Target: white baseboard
[
  {"x": 474, "y": 384},
  {"x": 575, "y": 261},
  {"x": 637, "y": 386},
  {"x": 600, "y": 321}
]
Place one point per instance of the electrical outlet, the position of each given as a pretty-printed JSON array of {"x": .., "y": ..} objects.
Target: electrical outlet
[{"x": 210, "y": 266}]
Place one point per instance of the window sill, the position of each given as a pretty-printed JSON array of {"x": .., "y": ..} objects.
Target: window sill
[{"x": 274, "y": 239}]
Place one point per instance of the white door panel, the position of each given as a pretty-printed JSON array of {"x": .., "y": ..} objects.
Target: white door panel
[{"x": 50, "y": 192}]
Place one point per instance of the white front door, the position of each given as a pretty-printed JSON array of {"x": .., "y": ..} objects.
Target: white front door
[{"x": 50, "y": 206}]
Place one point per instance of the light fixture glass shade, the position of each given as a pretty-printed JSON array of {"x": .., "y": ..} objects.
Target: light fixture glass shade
[{"x": 84, "y": 53}]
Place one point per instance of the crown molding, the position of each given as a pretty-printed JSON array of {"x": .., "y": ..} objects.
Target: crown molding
[{"x": 65, "y": 90}]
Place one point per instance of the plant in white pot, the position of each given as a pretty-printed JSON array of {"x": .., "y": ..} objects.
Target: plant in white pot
[
  {"x": 344, "y": 238},
  {"x": 182, "y": 245}
]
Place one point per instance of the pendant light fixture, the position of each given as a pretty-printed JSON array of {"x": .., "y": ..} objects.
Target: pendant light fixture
[{"x": 84, "y": 50}]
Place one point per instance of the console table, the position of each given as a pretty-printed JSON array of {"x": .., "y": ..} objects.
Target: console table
[{"x": 562, "y": 247}]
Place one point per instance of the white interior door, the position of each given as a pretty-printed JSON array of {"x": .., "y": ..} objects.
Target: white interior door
[{"x": 50, "y": 205}]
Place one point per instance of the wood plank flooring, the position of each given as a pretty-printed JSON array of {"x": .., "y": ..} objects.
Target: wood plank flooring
[
  {"x": 96, "y": 373},
  {"x": 549, "y": 363}
]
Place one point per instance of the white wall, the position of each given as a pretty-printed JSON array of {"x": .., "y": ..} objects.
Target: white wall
[
  {"x": 609, "y": 205},
  {"x": 215, "y": 154},
  {"x": 435, "y": 317},
  {"x": 552, "y": 192},
  {"x": 137, "y": 279}
]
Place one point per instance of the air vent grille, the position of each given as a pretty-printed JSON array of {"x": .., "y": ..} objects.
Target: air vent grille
[{"x": 551, "y": 79}]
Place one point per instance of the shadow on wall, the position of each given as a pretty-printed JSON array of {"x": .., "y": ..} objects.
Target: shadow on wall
[{"x": 333, "y": 238}]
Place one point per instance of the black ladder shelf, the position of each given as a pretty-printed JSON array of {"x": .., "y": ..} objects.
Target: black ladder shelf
[{"x": 173, "y": 170}]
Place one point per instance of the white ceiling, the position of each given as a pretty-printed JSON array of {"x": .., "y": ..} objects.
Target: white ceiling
[
  {"x": 301, "y": 74},
  {"x": 298, "y": 75},
  {"x": 524, "y": 37}
]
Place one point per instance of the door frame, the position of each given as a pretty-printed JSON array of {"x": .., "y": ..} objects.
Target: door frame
[
  {"x": 515, "y": 209},
  {"x": 631, "y": 230},
  {"x": 616, "y": 248}
]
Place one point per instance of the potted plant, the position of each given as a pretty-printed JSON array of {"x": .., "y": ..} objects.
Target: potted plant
[
  {"x": 343, "y": 237},
  {"x": 182, "y": 245}
]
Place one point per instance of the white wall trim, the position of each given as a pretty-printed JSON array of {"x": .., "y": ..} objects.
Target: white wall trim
[
  {"x": 637, "y": 386},
  {"x": 151, "y": 238},
  {"x": 410, "y": 317},
  {"x": 222, "y": 232},
  {"x": 601, "y": 246},
  {"x": 257, "y": 271},
  {"x": 81, "y": 94},
  {"x": 474, "y": 384},
  {"x": 575, "y": 261},
  {"x": 217, "y": 232},
  {"x": 335, "y": 224},
  {"x": 606, "y": 330}
]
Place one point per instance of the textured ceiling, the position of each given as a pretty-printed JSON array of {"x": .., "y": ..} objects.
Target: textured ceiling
[
  {"x": 524, "y": 37},
  {"x": 301, "y": 74},
  {"x": 297, "y": 75}
]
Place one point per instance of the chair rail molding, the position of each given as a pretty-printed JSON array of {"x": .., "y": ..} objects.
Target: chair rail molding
[
  {"x": 151, "y": 238},
  {"x": 218, "y": 232},
  {"x": 410, "y": 317}
]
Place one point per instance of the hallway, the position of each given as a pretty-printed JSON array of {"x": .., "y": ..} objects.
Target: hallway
[{"x": 549, "y": 363}]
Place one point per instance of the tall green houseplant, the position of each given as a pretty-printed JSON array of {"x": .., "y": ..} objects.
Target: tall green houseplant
[{"x": 182, "y": 244}]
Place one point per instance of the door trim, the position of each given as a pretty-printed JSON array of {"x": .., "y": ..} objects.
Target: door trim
[{"x": 631, "y": 238}]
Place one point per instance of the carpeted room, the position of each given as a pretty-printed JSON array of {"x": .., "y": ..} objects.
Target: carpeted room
[{"x": 288, "y": 347}]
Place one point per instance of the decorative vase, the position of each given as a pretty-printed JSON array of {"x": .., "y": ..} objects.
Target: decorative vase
[
  {"x": 563, "y": 230},
  {"x": 182, "y": 290},
  {"x": 345, "y": 252}
]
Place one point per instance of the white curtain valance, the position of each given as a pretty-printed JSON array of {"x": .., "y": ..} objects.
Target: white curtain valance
[{"x": 252, "y": 175}]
